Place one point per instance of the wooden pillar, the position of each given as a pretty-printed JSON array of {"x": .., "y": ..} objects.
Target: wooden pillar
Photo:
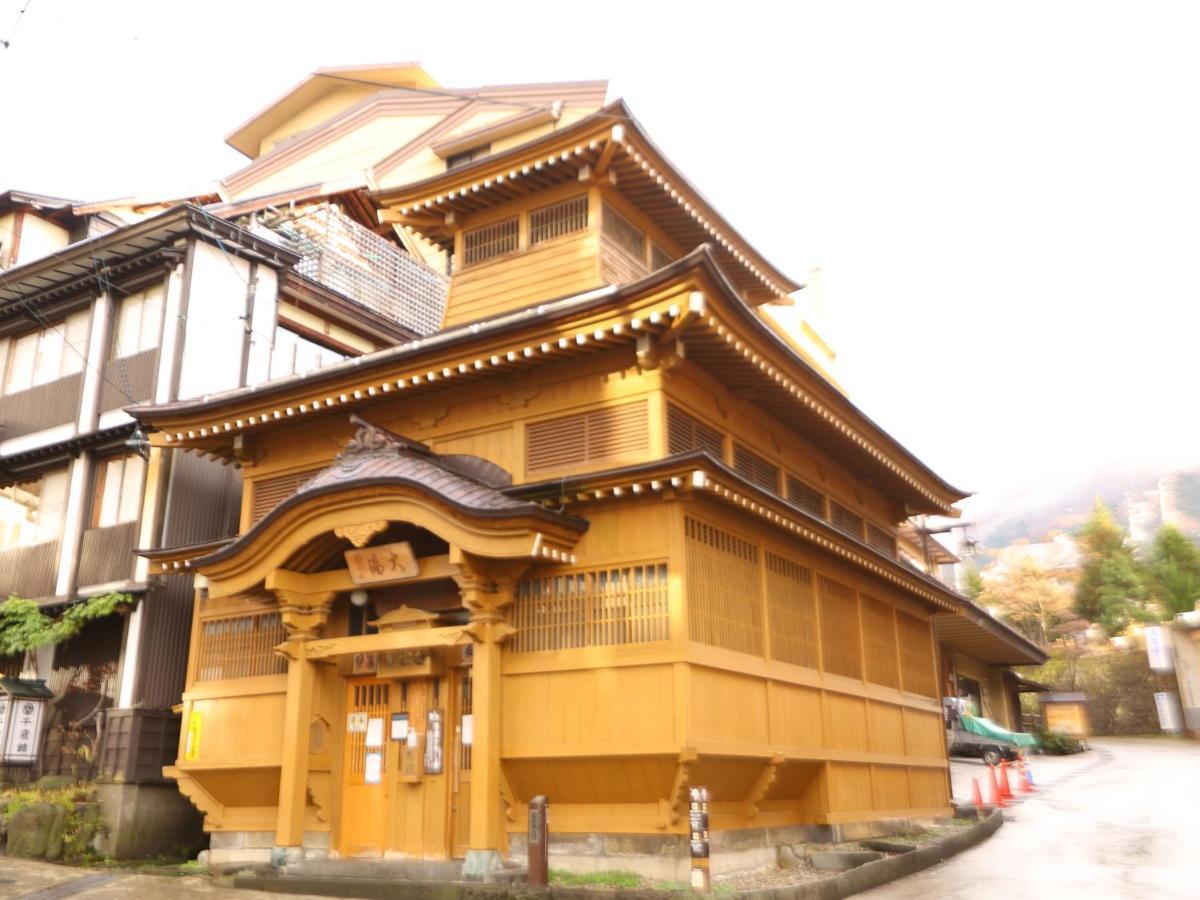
[
  {"x": 304, "y": 615},
  {"x": 487, "y": 589}
]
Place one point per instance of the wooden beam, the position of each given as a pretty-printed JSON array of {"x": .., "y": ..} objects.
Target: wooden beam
[
  {"x": 392, "y": 217},
  {"x": 407, "y": 639},
  {"x": 761, "y": 785},
  {"x": 610, "y": 149},
  {"x": 339, "y": 580},
  {"x": 672, "y": 806}
]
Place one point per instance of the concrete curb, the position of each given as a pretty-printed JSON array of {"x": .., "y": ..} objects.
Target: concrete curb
[{"x": 863, "y": 878}]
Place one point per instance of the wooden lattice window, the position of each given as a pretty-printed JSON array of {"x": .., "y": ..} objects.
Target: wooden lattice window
[
  {"x": 756, "y": 469},
  {"x": 881, "y": 539},
  {"x": 627, "y": 237},
  {"x": 916, "y": 655},
  {"x": 240, "y": 646},
  {"x": 558, "y": 219},
  {"x": 840, "y": 649},
  {"x": 658, "y": 256},
  {"x": 879, "y": 642},
  {"x": 269, "y": 492},
  {"x": 724, "y": 607},
  {"x": 846, "y": 520},
  {"x": 685, "y": 433},
  {"x": 791, "y": 612},
  {"x": 490, "y": 240},
  {"x": 594, "y": 608},
  {"x": 807, "y": 498},
  {"x": 601, "y": 434}
]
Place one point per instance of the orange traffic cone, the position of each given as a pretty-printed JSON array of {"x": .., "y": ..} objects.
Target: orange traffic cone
[
  {"x": 1005, "y": 789},
  {"x": 997, "y": 797},
  {"x": 976, "y": 794}
]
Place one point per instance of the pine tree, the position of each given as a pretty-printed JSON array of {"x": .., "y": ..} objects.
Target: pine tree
[
  {"x": 1173, "y": 574},
  {"x": 1111, "y": 589}
]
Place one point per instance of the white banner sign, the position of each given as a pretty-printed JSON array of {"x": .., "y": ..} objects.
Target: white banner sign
[
  {"x": 1170, "y": 718},
  {"x": 1158, "y": 648}
]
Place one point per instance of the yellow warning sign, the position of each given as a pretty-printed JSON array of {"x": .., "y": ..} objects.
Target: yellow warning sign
[{"x": 191, "y": 749}]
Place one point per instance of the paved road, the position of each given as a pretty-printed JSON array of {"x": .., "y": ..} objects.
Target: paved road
[
  {"x": 30, "y": 880},
  {"x": 1119, "y": 821}
]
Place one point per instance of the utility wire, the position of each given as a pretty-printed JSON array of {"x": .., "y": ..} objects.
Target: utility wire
[{"x": 12, "y": 32}]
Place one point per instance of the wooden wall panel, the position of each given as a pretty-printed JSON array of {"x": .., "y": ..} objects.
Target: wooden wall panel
[
  {"x": 495, "y": 444},
  {"x": 927, "y": 788},
  {"x": 889, "y": 788},
  {"x": 728, "y": 708},
  {"x": 247, "y": 732},
  {"x": 924, "y": 734},
  {"x": 609, "y": 709},
  {"x": 796, "y": 719},
  {"x": 846, "y": 719},
  {"x": 885, "y": 728},
  {"x": 849, "y": 788}
]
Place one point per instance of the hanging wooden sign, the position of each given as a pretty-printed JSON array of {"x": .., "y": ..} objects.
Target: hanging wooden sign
[{"x": 387, "y": 562}]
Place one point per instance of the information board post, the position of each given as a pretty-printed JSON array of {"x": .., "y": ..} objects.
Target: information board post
[
  {"x": 538, "y": 842},
  {"x": 698, "y": 843}
]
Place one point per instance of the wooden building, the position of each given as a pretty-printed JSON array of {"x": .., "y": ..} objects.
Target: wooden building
[
  {"x": 96, "y": 314},
  {"x": 609, "y": 534}
]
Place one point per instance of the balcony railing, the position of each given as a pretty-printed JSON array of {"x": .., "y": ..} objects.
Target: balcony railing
[
  {"x": 106, "y": 554},
  {"x": 44, "y": 406},
  {"x": 128, "y": 380},
  {"x": 29, "y": 572}
]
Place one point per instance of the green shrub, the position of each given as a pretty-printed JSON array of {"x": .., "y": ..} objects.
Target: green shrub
[
  {"x": 77, "y": 834},
  {"x": 1055, "y": 743}
]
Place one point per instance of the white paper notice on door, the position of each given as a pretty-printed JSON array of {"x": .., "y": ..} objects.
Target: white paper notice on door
[
  {"x": 468, "y": 730},
  {"x": 374, "y": 733},
  {"x": 373, "y": 773}
]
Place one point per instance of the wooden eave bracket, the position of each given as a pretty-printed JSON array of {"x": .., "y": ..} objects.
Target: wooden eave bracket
[
  {"x": 672, "y": 807},
  {"x": 507, "y": 797},
  {"x": 667, "y": 349},
  {"x": 762, "y": 784}
]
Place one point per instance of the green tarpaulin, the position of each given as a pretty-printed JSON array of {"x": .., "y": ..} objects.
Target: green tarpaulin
[{"x": 988, "y": 728}]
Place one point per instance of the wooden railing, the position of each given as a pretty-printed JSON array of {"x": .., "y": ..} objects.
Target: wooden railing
[
  {"x": 594, "y": 608},
  {"x": 29, "y": 572},
  {"x": 44, "y": 406},
  {"x": 106, "y": 554},
  {"x": 128, "y": 380},
  {"x": 240, "y": 646}
]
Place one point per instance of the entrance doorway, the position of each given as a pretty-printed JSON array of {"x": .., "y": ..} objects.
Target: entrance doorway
[
  {"x": 460, "y": 784},
  {"x": 366, "y": 766}
]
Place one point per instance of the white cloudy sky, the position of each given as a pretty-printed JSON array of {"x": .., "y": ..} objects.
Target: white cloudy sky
[{"x": 1004, "y": 197}]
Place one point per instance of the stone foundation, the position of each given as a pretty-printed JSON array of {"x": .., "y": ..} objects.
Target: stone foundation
[
  {"x": 233, "y": 848},
  {"x": 143, "y": 820},
  {"x": 666, "y": 857}
]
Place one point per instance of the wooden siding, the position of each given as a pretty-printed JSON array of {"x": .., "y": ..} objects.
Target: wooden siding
[
  {"x": 556, "y": 268},
  {"x": 916, "y": 655},
  {"x": 754, "y": 468},
  {"x": 607, "y": 434},
  {"x": 106, "y": 554},
  {"x": 791, "y": 612},
  {"x": 558, "y": 219},
  {"x": 840, "y": 646},
  {"x": 270, "y": 492},
  {"x": 595, "y": 608},
  {"x": 45, "y": 406},
  {"x": 166, "y": 636},
  {"x": 724, "y": 607},
  {"x": 128, "y": 380},
  {"x": 617, "y": 266},
  {"x": 807, "y": 498},
  {"x": 685, "y": 432},
  {"x": 240, "y": 646},
  {"x": 29, "y": 572},
  {"x": 879, "y": 642}
]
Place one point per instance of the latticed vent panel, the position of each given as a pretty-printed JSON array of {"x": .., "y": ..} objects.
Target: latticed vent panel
[
  {"x": 879, "y": 640},
  {"x": 839, "y": 628},
  {"x": 791, "y": 612},
  {"x": 846, "y": 520},
  {"x": 595, "y": 608},
  {"x": 601, "y": 434},
  {"x": 916, "y": 655},
  {"x": 240, "y": 647},
  {"x": 881, "y": 539},
  {"x": 270, "y": 492},
  {"x": 491, "y": 240},
  {"x": 561, "y": 218},
  {"x": 685, "y": 433},
  {"x": 659, "y": 257},
  {"x": 724, "y": 608},
  {"x": 627, "y": 237},
  {"x": 807, "y": 498},
  {"x": 372, "y": 699},
  {"x": 753, "y": 467}
]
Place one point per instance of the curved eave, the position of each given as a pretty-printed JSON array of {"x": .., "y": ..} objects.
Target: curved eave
[
  {"x": 644, "y": 175},
  {"x": 559, "y": 523},
  {"x": 980, "y": 636}
]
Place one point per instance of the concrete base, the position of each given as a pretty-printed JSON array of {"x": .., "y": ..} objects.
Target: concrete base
[
  {"x": 143, "y": 820},
  {"x": 231, "y": 849},
  {"x": 479, "y": 863}
]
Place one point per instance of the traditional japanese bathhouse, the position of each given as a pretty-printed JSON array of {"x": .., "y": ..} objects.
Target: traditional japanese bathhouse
[{"x": 608, "y": 535}]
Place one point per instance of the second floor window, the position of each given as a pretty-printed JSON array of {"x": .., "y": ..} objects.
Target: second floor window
[
  {"x": 39, "y": 357},
  {"x": 32, "y": 513},
  {"x": 118, "y": 493},
  {"x": 139, "y": 323},
  {"x": 293, "y": 354}
]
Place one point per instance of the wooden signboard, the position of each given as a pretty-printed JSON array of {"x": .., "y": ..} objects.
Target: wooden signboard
[{"x": 387, "y": 562}]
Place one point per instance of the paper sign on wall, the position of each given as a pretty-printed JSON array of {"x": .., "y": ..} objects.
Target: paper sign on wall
[
  {"x": 356, "y": 722},
  {"x": 374, "y": 733},
  {"x": 1158, "y": 648},
  {"x": 399, "y": 726},
  {"x": 192, "y": 749},
  {"x": 373, "y": 772}
]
